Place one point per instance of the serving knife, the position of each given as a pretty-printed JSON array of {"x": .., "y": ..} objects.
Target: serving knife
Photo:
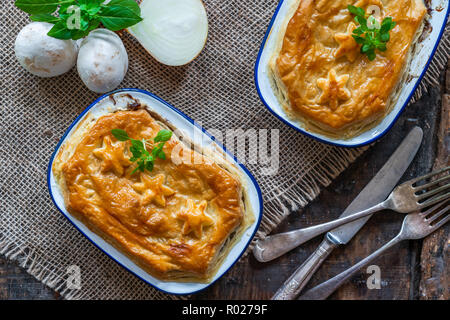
[{"x": 377, "y": 190}]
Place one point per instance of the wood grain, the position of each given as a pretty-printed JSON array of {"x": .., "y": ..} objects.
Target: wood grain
[
  {"x": 16, "y": 284},
  {"x": 435, "y": 256}
]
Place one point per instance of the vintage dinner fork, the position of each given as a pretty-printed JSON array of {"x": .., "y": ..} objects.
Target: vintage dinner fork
[
  {"x": 405, "y": 198},
  {"x": 415, "y": 226}
]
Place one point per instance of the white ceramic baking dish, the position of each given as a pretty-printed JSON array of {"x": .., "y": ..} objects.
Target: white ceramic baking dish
[
  {"x": 419, "y": 65},
  {"x": 104, "y": 105}
]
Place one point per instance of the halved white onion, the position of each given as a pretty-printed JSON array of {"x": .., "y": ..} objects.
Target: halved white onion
[{"x": 174, "y": 32}]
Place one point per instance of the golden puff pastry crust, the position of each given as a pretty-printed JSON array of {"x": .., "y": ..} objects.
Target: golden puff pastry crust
[
  {"x": 321, "y": 78},
  {"x": 177, "y": 222}
]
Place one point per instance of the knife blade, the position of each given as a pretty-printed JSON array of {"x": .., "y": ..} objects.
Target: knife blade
[
  {"x": 379, "y": 187},
  {"x": 374, "y": 192}
]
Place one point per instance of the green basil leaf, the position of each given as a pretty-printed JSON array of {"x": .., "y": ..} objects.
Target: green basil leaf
[
  {"x": 386, "y": 25},
  {"x": 85, "y": 19},
  {"x": 135, "y": 169},
  {"x": 365, "y": 48},
  {"x": 130, "y": 4},
  {"x": 357, "y": 11},
  {"x": 90, "y": 3},
  {"x": 382, "y": 47},
  {"x": 385, "y": 37},
  {"x": 371, "y": 39},
  {"x": 141, "y": 166},
  {"x": 82, "y": 27},
  {"x": 78, "y": 34},
  {"x": 63, "y": 8},
  {"x": 163, "y": 135},
  {"x": 93, "y": 24},
  {"x": 45, "y": 17},
  {"x": 358, "y": 39},
  {"x": 158, "y": 152},
  {"x": 117, "y": 18},
  {"x": 120, "y": 134},
  {"x": 138, "y": 144},
  {"x": 144, "y": 159},
  {"x": 38, "y": 6},
  {"x": 387, "y": 20},
  {"x": 358, "y": 31},
  {"x": 60, "y": 31},
  {"x": 363, "y": 23},
  {"x": 162, "y": 155},
  {"x": 92, "y": 7},
  {"x": 136, "y": 152},
  {"x": 94, "y": 11},
  {"x": 374, "y": 22},
  {"x": 149, "y": 165}
]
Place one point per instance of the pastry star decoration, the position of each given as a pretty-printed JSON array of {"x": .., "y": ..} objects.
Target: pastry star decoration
[
  {"x": 333, "y": 89},
  {"x": 112, "y": 155},
  {"x": 347, "y": 45},
  {"x": 195, "y": 218},
  {"x": 153, "y": 190}
]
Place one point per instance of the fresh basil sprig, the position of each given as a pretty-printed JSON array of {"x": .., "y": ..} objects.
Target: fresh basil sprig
[
  {"x": 74, "y": 19},
  {"x": 374, "y": 38},
  {"x": 145, "y": 159},
  {"x": 40, "y": 6}
]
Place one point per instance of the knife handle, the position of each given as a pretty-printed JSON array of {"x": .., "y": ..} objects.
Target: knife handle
[
  {"x": 298, "y": 280},
  {"x": 276, "y": 245}
]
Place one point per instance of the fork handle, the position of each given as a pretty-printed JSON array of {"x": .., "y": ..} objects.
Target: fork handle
[
  {"x": 275, "y": 246},
  {"x": 298, "y": 280},
  {"x": 325, "y": 289}
]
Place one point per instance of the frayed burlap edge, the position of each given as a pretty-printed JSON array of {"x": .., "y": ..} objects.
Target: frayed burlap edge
[{"x": 29, "y": 261}]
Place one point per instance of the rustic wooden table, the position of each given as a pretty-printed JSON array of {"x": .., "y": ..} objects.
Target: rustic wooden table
[{"x": 413, "y": 270}]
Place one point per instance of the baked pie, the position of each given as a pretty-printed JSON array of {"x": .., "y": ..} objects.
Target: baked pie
[
  {"x": 177, "y": 221},
  {"x": 321, "y": 78}
]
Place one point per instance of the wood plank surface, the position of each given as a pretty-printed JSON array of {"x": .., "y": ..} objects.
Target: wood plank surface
[
  {"x": 409, "y": 271},
  {"x": 435, "y": 257}
]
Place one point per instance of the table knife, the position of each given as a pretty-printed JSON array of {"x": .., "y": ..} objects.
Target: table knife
[{"x": 377, "y": 190}]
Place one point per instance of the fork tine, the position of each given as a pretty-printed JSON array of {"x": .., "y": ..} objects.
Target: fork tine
[
  {"x": 434, "y": 208},
  {"x": 441, "y": 223},
  {"x": 434, "y": 200},
  {"x": 429, "y": 175},
  {"x": 438, "y": 215},
  {"x": 433, "y": 192},
  {"x": 432, "y": 183}
]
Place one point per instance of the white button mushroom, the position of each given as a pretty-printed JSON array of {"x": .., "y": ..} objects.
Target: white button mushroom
[
  {"x": 102, "y": 61},
  {"x": 42, "y": 55}
]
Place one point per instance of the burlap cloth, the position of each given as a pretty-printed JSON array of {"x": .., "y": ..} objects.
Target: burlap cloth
[{"x": 216, "y": 89}]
